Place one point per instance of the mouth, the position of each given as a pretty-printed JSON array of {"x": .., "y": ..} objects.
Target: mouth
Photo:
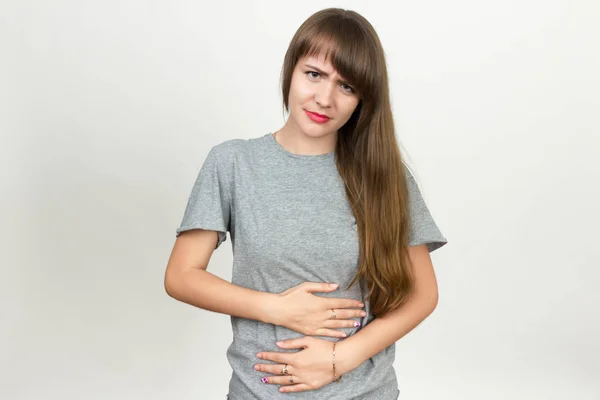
[
  {"x": 318, "y": 118},
  {"x": 318, "y": 115}
]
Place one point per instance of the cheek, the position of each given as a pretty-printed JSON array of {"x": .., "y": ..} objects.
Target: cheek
[
  {"x": 302, "y": 94},
  {"x": 347, "y": 110}
]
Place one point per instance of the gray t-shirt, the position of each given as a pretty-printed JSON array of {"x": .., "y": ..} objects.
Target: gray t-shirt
[{"x": 290, "y": 222}]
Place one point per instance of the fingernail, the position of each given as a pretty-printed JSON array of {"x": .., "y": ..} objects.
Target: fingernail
[
  {"x": 356, "y": 323},
  {"x": 263, "y": 379},
  {"x": 363, "y": 314},
  {"x": 256, "y": 367},
  {"x": 333, "y": 284},
  {"x": 279, "y": 343},
  {"x": 361, "y": 304}
]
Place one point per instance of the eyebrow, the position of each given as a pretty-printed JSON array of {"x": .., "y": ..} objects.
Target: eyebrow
[{"x": 319, "y": 70}]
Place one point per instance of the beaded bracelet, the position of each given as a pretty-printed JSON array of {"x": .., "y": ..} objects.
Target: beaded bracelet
[{"x": 336, "y": 379}]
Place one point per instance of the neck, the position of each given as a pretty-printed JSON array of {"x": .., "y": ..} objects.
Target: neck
[{"x": 302, "y": 144}]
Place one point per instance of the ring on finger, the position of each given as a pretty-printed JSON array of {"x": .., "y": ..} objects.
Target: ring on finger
[
  {"x": 334, "y": 315},
  {"x": 284, "y": 371}
]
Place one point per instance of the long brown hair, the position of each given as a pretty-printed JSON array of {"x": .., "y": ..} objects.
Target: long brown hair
[{"x": 367, "y": 155}]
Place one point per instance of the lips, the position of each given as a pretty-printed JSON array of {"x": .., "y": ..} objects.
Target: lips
[
  {"x": 317, "y": 114},
  {"x": 317, "y": 117}
]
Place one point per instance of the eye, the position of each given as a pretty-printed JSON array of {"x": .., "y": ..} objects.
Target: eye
[{"x": 350, "y": 87}]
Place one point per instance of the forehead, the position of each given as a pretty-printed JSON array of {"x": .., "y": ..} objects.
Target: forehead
[{"x": 319, "y": 62}]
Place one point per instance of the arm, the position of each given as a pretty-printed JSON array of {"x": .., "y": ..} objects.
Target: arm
[
  {"x": 202, "y": 289},
  {"x": 187, "y": 280},
  {"x": 383, "y": 332}
]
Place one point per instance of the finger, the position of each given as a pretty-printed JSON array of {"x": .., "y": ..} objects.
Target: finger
[
  {"x": 283, "y": 358},
  {"x": 330, "y": 333},
  {"x": 275, "y": 369},
  {"x": 344, "y": 303},
  {"x": 297, "y": 343},
  {"x": 280, "y": 379},
  {"x": 345, "y": 314},
  {"x": 301, "y": 387},
  {"x": 320, "y": 287},
  {"x": 341, "y": 323}
]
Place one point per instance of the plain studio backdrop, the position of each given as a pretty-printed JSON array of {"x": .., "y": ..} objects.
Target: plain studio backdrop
[{"x": 108, "y": 109}]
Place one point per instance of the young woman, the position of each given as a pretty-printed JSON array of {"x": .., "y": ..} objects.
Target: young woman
[{"x": 325, "y": 199}]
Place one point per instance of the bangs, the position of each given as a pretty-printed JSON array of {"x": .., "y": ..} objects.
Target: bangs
[{"x": 345, "y": 53}]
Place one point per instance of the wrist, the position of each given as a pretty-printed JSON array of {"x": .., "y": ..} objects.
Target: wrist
[
  {"x": 269, "y": 308},
  {"x": 345, "y": 359}
]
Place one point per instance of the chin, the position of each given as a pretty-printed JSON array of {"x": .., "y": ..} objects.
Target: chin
[
  {"x": 313, "y": 130},
  {"x": 317, "y": 133}
]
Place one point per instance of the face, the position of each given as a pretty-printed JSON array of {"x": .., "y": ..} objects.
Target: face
[{"x": 316, "y": 87}]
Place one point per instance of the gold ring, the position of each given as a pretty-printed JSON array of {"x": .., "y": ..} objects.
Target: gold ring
[
  {"x": 334, "y": 315},
  {"x": 285, "y": 370}
]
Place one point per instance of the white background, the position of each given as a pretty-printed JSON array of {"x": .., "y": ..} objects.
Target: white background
[{"x": 108, "y": 109}]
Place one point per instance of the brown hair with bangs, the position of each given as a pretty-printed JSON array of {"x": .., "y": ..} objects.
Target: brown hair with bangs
[{"x": 367, "y": 155}]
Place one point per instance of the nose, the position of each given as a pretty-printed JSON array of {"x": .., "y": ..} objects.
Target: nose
[{"x": 324, "y": 95}]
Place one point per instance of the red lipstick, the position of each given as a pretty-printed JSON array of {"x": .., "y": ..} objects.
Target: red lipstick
[{"x": 319, "y": 118}]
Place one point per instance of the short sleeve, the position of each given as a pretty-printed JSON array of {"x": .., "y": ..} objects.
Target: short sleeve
[
  {"x": 208, "y": 206},
  {"x": 422, "y": 227}
]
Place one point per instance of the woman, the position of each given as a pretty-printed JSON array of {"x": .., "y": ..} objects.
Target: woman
[{"x": 325, "y": 199}]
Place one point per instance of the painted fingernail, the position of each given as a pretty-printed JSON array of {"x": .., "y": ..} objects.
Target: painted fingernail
[
  {"x": 263, "y": 379},
  {"x": 356, "y": 323}
]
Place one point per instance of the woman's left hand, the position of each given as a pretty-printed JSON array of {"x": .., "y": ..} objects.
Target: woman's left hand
[{"x": 308, "y": 369}]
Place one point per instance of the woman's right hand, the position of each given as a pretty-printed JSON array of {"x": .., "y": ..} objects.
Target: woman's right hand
[{"x": 301, "y": 311}]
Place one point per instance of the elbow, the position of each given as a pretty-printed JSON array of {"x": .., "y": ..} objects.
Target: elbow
[
  {"x": 433, "y": 301},
  {"x": 167, "y": 285},
  {"x": 170, "y": 284},
  {"x": 429, "y": 301}
]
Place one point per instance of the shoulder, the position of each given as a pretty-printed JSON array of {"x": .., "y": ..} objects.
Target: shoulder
[
  {"x": 415, "y": 197},
  {"x": 410, "y": 178},
  {"x": 226, "y": 152},
  {"x": 230, "y": 156}
]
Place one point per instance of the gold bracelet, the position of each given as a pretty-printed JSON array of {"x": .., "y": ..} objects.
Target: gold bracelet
[{"x": 336, "y": 379}]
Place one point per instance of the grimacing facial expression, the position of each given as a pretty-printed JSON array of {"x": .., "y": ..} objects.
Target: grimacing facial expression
[{"x": 316, "y": 87}]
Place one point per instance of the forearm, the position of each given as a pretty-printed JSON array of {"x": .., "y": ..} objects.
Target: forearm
[
  {"x": 383, "y": 332},
  {"x": 202, "y": 289}
]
